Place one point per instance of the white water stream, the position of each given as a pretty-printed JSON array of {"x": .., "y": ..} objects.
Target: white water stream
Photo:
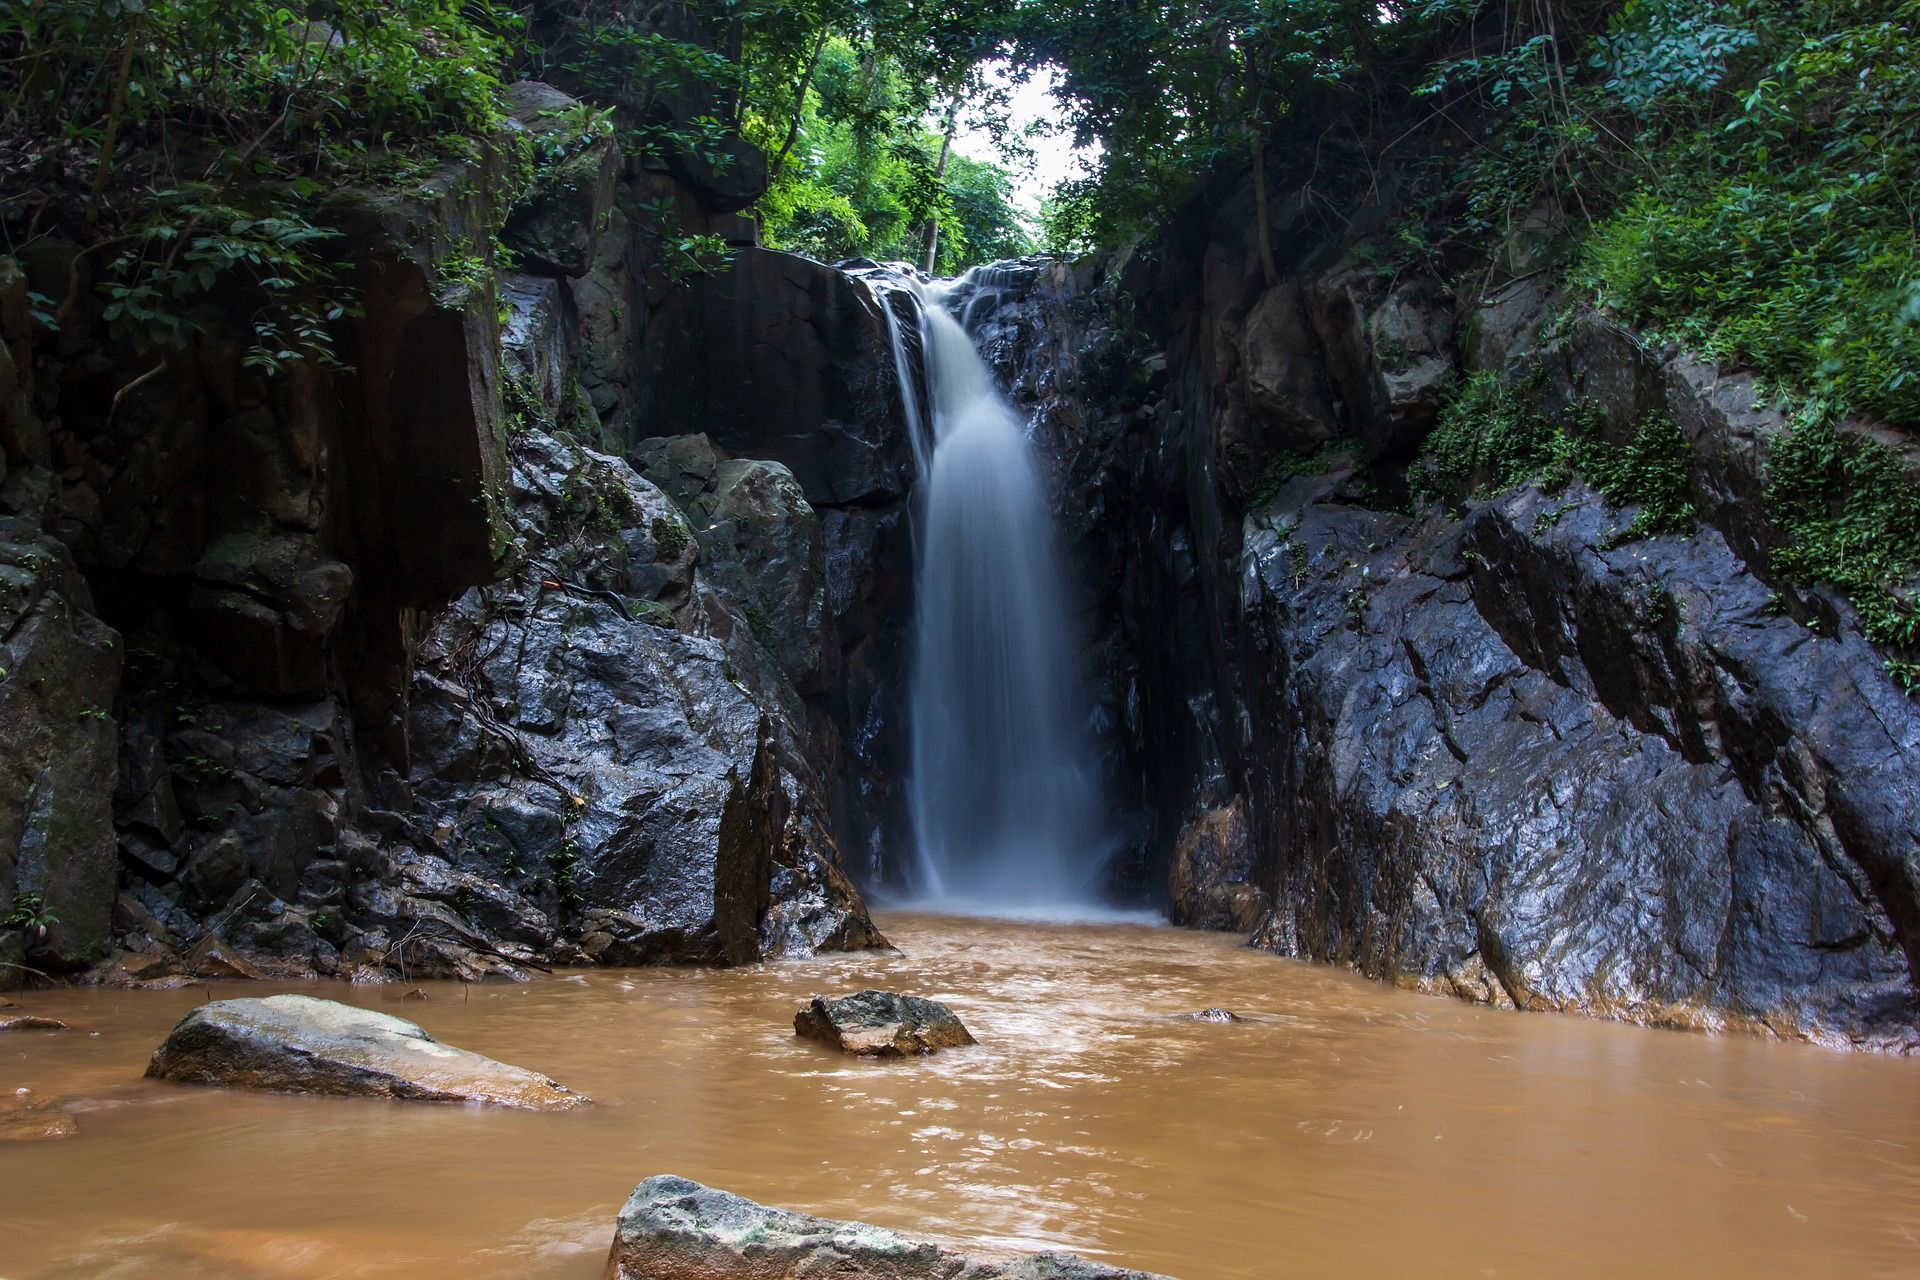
[{"x": 1002, "y": 788}]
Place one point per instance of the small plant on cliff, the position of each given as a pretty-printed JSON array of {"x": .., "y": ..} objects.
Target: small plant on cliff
[
  {"x": 1650, "y": 471},
  {"x": 1851, "y": 514},
  {"x": 670, "y": 536},
  {"x": 1491, "y": 435},
  {"x": 29, "y": 915},
  {"x": 1494, "y": 434}
]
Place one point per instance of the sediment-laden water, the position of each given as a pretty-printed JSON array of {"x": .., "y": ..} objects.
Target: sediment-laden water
[{"x": 1346, "y": 1129}]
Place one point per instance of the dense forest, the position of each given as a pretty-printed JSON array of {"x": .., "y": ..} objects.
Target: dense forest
[{"x": 1738, "y": 175}]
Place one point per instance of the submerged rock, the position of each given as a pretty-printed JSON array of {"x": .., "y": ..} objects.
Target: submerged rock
[
  {"x": 881, "y": 1024},
  {"x": 29, "y": 1022},
  {"x": 299, "y": 1044},
  {"x": 1217, "y": 1015},
  {"x": 675, "y": 1229},
  {"x": 27, "y": 1118}
]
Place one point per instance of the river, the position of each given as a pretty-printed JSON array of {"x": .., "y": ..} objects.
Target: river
[{"x": 1344, "y": 1129}]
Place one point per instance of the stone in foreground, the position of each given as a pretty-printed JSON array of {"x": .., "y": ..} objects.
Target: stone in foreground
[
  {"x": 674, "y": 1229},
  {"x": 299, "y": 1044},
  {"x": 881, "y": 1024}
]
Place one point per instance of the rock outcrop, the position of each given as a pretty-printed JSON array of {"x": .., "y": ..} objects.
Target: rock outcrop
[
  {"x": 299, "y": 1044},
  {"x": 881, "y": 1024},
  {"x": 675, "y": 1229},
  {"x": 1513, "y": 750},
  {"x": 407, "y": 672}
]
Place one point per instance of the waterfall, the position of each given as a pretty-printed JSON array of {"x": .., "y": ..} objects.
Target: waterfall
[{"x": 1002, "y": 789}]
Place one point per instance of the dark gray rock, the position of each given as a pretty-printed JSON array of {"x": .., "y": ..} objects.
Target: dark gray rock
[
  {"x": 298, "y": 1044},
  {"x": 1509, "y": 757},
  {"x": 779, "y": 357},
  {"x": 59, "y": 678},
  {"x": 1285, "y": 376},
  {"x": 559, "y": 220},
  {"x": 674, "y": 1229},
  {"x": 881, "y": 1024},
  {"x": 621, "y": 769}
]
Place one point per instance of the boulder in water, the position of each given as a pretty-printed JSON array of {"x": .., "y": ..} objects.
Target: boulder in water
[
  {"x": 881, "y": 1024},
  {"x": 298, "y": 1044},
  {"x": 674, "y": 1229}
]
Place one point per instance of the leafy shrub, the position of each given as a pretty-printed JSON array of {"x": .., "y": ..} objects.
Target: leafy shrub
[
  {"x": 1494, "y": 434},
  {"x": 1851, "y": 517}
]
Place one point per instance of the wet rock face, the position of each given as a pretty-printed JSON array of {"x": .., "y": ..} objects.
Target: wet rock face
[
  {"x": 1507, "y": 755},
  {"x": 881, "y": 1024},
  {"x": 420, "y": 678},
  {"x": 58, "y": 759},
  {"x": 1538, "y": 772},
  {"x": 675, "y": 1229},
  {"x": 618, "y": 761},
  {"x": 298, "y": 1044},
  {"x": 779, "y": 357},
  {"x": 1208, "y": 881},
  {"x": 559, "y": 222}
]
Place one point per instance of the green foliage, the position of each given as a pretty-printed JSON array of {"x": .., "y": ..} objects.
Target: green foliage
[
  {"x": 192, "y": 142},
  {"x": 29, "y": 914},
  {"x": 1851, "y": 517},
  {"x": 1650, "y": 471},
  {"x": 1494, "y": 434},
  {"x": 1491, "y": 435},
  {"x": 866, "y": 173},
  {"x": 1172, "y": 90},
  {"x": 1774, "y": 224}
]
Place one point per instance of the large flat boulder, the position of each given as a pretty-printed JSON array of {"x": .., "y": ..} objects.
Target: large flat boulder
[
  {"x": 299, "y": 1044},
  {"x": 880, "y": 1024},
  {"x": 675, "y": 1229}
]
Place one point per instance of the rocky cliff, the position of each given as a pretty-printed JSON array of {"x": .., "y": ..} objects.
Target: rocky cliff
[
  {"x": 1508, "y": 745},
  {"x": 419, "y": 666}
]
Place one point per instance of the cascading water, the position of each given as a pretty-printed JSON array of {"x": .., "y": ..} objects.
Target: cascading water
[{"x": 1001, "y": 787}]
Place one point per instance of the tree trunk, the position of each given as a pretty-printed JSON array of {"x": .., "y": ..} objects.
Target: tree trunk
[
  {"x": 111, "y": 139},
  {"x": 940, "y": 173},
  {"x": 799, "y": 103},
  {"x": 1261, "y": 227}
]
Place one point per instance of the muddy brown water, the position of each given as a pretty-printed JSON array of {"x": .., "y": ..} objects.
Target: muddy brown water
[{"x": 1346, "y": 1129}]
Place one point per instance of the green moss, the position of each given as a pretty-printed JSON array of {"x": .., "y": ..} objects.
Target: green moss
[
  {"x": 670, "y": 536},
  {"x": 1272, "y": 469},
  {"x": 1494, "y": 434},
  {"x": 1491, "y": 435},
  {"x": 1851, "y": 518}
]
